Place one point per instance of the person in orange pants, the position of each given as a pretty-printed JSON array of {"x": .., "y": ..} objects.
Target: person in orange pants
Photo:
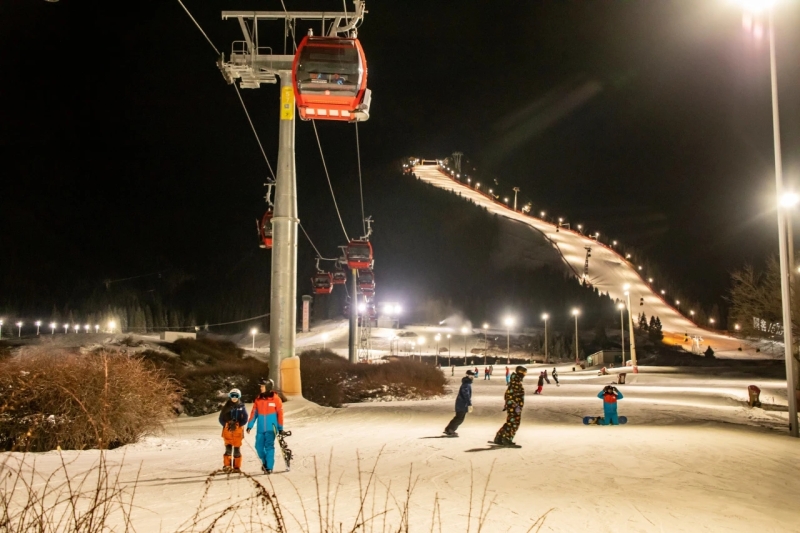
[{"x": 233, "y": 418}]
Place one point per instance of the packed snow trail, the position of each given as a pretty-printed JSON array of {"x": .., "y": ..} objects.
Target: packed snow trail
[
  {"x": 608, "y": 271},
  {"x": 692, "y": 457}
]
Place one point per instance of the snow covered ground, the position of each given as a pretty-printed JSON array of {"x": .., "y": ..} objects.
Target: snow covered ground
[
  {"x": 693, "y": 457},
  {"x": 608, "y": 271}
]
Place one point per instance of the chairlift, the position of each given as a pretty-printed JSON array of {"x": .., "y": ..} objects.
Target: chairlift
[
  {"x": 265, "y": 230},
  {"x": 322, "y": 283},
  {"x": 359, "y": 254},
  {"x": 329, "y": 75}
]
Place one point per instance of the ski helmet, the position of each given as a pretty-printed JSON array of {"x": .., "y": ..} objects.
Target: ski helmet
[
  {"x": 521, "y": 370},
  {"x": 268, "y": 383},
  {"x": 235, "y": 393}
]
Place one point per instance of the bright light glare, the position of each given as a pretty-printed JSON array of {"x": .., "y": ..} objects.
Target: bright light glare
[
  {"x": 509, "y": 321},
  {"x": 397, "y": 309},
  {"x": 253, "y": 331},
  {"x": 362, "y": 307},
  {"x": 545, "y": 316},
  {"x": 627, "y": 286},
  {"x": 464, "y": 330},
  {"x": 620, "y": 306},
  {"x": 755, "y": 6},
  {"x": 387, "y": 309},
  {"x": 789, "y": 199},
  {"x": 576, "y": 312},
  {"x": 112, "y": 325},
  {"x": 438, "y": 337},
  {"x": 38, "y": 323}
]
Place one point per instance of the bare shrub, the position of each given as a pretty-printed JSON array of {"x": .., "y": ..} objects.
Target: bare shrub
[
  {"x": 330, "y": 380},
  {"x": 70, "y": 400}
]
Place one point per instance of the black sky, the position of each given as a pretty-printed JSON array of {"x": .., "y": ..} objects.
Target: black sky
[{"x": 123, "y": 150}]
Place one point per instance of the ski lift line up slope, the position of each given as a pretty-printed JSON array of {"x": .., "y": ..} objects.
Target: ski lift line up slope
[{"x": 608, "y": 271}]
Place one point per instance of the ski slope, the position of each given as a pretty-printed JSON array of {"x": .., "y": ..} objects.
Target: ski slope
[{"x": 608, "y": 271}]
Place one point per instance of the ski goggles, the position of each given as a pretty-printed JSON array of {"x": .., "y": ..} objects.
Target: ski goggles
[{"x": 233, "y": 395}]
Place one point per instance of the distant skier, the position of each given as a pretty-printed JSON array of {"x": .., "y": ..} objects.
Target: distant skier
[
  {"x": 268, "y": 411},
  {"x": 540, "y": 383},
  {"x": 555, "y": 376},
  {"x": 545, "y": 377},
  {"x": 514, "y": 401},
  {"x": 233, "y": 417},
  {"x": 610, "y": 395},
  {"x": 491, "y": 371},
  {"x": 452, "y": 370},
  {"x": 508, "y": 376},
  {"x": 463, "y": 404},
  {"x": 486, "y": 373}
]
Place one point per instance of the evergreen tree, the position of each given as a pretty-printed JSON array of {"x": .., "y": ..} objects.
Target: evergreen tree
[
  {"x": 643, "y": 322},
  {"x": 655, "y": 333}
]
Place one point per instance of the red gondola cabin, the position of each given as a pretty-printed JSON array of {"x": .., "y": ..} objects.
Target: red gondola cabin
[
  {"x": 329, "y": 75},
  {"x": 339, "y": 277},
  {"x": 265, "y": 230},
  {"x": 359, "y": 254},
  {"x": 322, "y": 283}
]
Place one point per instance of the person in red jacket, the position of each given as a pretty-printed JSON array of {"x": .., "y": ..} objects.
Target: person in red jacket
[{"x": 268, "y": 412}]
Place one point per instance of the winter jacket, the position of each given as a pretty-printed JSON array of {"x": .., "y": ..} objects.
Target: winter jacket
[
  {"x": 515, "y": 393},
  {"x": 464, "y": 398},
  {"x": 610, "y": 398},
  {"x": 541, "y": 380},
  {"x": 268, "y": 411},
  {"x": 233, "y": 412}
]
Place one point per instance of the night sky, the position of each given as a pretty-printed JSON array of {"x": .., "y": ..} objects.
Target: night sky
[{"x": 124, "y": 151}]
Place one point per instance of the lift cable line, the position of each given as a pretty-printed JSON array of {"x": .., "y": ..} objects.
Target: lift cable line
[
  {"x": 360, "y": 184},
  {"x": 319, "y": 255},
  {"x": 216, "y": 50},
  {"x": 254, "y": 131},
  {"x": 336, "y": 205}
]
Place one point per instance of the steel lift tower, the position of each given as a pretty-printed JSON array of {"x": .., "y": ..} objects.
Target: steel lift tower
[{"x": 253, "y": 65}]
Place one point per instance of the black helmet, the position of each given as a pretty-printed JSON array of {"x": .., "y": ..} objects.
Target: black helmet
[
  {"x": 521, "y": 370},
  {"x": 268, "y": 383}
]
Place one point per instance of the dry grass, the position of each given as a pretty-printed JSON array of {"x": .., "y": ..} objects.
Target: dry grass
[
  {"x": 330, "y": 380},
  {"x": 77, "y": 401}
]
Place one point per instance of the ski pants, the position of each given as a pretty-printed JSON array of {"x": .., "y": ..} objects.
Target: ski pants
[
  {"x": 456, "y": 421},
  {"x": 265, "y": 448},
  {"x": 610, "y": 414},
  {"x": 513, "y": 418}
]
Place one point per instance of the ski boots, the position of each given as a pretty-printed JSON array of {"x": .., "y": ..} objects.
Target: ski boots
[{"x": 265, "y": 470}]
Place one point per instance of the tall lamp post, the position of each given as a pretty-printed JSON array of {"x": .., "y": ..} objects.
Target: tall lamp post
[
  {"x": 449, "y": 362},
  {"x": 464, "y": 331},
  {"x": 545, "y": 316},
  {"x": 631, "y": 336},
  {"x": 509, "y": 321},
  {"x": 437, "y": 338},
  {"x": 53, "y": 326},
  {"x": 621, "y": 307},
  {"x": 19, "y": 333},
  {"x": 783, "y": 243},
  {"x": 1, "y": 329},
  {"x": 253, "y": 333},
  {"x": 111, "y": 326},
  {"x": 38, "y": 324},
  {"x": 575, "y": 313},
  {"x": 485, "y": 342}
]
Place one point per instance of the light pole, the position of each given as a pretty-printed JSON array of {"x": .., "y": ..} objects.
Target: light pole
[
  {"x": 77, "y": 328},
  {"x": 66, "y": 328},
  {"x": 19, "y": 325},
  {"x": 325, "y": 341},
  {"x": 437, "y": 338},
  {"x": 485, "y": 342},
  {"x": 111, "y": 326},
  {"x": 53, "y": 326},
  {"x": 509, "y": 321},
  {"x": 631, "y": 336},
  {"x": 464, "y": 331},
  {"x": 97, "y": 328},
  {"x": 86, "y": 328},
  {"x": 575, "y": 313},
  {"x": 1, "y": 329},
  {"x": 516, "y": 190},
  {"x": 545, "y": 316},
  {"x": 449, "y": 362},
  {"x": 621, "y": 307},
  {"x": 38, "y": 323},
  {"x": 253, "y": 333}
]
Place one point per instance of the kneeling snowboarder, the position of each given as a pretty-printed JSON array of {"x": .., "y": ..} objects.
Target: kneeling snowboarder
[
  {"x": 610, "y": 395},
  {"x": 463, "y": 404}
]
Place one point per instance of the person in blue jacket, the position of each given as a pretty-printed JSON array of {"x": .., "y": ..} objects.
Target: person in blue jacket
[
  {"x": 463, "y": 404},
  {"x": 268, "y": 411},
  {"x": 232, "y": 418},
  {"x": 610, "y": 395}
]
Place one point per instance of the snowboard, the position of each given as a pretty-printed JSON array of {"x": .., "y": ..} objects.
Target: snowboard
[
  {"x": 596, "y": 420},
  {"x": 287, "y": 453},
  {"x": 493, "y": 443}
]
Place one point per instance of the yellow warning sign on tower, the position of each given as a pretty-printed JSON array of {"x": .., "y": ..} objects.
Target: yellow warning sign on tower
[{"x": 287, "y": 103}]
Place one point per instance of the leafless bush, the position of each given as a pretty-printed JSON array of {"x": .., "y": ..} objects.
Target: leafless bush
[
  {"x": 70, "y": 400},
  {"x": 330, "y": 380},
  {"x": 86, "y": 502}
]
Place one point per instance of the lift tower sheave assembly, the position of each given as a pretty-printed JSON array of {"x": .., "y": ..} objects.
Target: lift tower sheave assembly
[{"x": 253, "y": 64}]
